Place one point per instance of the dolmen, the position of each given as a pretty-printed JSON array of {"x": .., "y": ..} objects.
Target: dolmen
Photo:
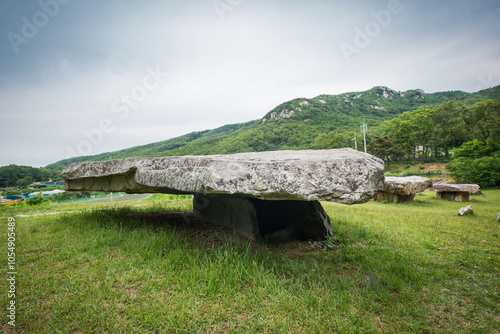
[
  {"x": 264, "y": 196},
  {"x": 455, "y": 192},
  {"x": 400, "y": 189}
]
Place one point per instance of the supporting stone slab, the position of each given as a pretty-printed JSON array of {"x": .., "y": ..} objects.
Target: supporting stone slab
[
  {"x": 394, "y": 198},
  {"x": 234, "y": 212},
  {"x": 462, "y": 196},
  {"x": 448, "y": 196},
  {"x": 265, "y": 220},
  {"x": 453, "y": 196},
  {"x": 405, "y": 198}
]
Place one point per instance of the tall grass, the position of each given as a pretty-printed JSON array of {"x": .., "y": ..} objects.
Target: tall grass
[{"x": 405, "y": 268}]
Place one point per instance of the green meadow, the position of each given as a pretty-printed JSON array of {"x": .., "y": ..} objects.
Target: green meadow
[{"x": 147, "y": 267}]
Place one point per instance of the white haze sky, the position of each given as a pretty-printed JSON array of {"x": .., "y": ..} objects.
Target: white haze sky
[{"x": 65, "y": 69}]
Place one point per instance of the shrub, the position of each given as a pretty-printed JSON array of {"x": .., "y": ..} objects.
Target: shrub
[
  {"x": 476, "y": 148},
  {"x": 36, "y": 200},
  {"x": 484, "y": 171}
]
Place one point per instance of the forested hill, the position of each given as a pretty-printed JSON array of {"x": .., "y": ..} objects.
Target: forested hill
[{"x": 297, "y": 124}]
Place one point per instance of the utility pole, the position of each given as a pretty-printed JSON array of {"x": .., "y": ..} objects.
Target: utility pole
[
  {"x": 364, "y": 129},
  {"x": 111, "y": 192},
  {"x": 355, "y": 142}
]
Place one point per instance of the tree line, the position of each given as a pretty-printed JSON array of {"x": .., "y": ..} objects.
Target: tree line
[
  {"x": 435, "y": 131},
  {"x": 471, "y": 131},
  {"x": 22, "y": 176}
]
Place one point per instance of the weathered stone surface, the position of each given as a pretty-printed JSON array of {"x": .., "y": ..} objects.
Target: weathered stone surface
[
  {"x": 403, "y": 189},
  {"x": 461, "y": 196},
  {"x": 262, "y": 220},
  {"x": 448, "y": 196},
  {"x": 455, "y": 192},
  {"x": 465, "y": 211},
  {"x": 232, "y": 211},
  {"x": 406, "y": 185},
  {"x": 455, "y": 187},
  {"x": 344, "y": 175}
]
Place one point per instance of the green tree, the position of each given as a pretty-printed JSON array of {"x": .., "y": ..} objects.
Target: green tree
[
  {"x": 476, "y": 148},
  {"x": 333, "y": 140},
  {"x": 449, "y": 126},
  {"x": 25, "y": 182},
  {"x": 484, "y": 119},
  {"x": 473, "y": 148},
  {"x": 422, "y": 127},
  {"x": 384, "y": 147},
  {"x": 400, "y": 130},
  {"x": 442, "y": 128},
  {"x": 10, "y": 175}
]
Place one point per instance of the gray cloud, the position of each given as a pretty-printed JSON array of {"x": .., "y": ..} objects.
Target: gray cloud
[{"x": 66, "y": 80}]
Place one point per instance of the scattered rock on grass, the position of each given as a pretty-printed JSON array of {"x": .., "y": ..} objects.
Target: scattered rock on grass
[{"x": 465, "y": 211}]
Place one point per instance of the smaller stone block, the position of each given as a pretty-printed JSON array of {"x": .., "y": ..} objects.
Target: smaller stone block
[
  {"x": 402, "y": 189},
  {"x": 455, "y": 192},
  {"x": 455, "y": 187},
  {"x": 465, "y": 211}
]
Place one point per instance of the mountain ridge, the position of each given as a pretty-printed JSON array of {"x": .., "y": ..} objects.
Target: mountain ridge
[{"x": 295, "y": 124}]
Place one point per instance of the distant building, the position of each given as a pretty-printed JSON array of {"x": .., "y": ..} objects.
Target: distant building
[{"x": 44, "y": 193}]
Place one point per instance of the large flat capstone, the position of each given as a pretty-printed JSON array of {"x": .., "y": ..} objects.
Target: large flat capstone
[{"x": 239, "y": 180}]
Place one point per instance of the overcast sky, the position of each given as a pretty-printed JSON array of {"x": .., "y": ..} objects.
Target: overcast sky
[{"x": 85, "y": 77}]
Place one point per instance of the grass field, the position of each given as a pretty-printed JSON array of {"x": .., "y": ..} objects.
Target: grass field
[{"x": 122, "y": 268}]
